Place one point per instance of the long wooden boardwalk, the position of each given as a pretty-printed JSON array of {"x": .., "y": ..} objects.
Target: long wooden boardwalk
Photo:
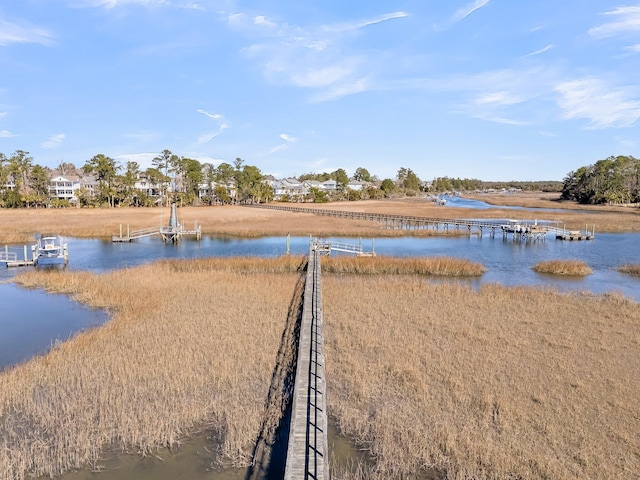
[
  {"x": 307, "y": 452},
  {"x": 521, "y": 229}
]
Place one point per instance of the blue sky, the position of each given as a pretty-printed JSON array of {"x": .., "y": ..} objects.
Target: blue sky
[{"x": 488, "y": 89}]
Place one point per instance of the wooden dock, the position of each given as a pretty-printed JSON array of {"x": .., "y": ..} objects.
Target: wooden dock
[
  {"x": 11, "y": 259},
  {"x": 307, "y": 452},
  {"x": 172, "y": 233},
  {"x": 19, "y": 256},
  {"x": 529, "y": 230}
]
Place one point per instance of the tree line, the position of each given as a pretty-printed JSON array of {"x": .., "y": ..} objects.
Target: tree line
[
  {"x": 614, "y": 180},
  {"x": 182, "y": 179}
]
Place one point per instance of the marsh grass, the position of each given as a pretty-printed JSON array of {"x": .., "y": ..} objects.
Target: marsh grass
[
  {"x": 23, "y": 225},
  {"x": 190, "y": 345},
  {"x": 576, "y": 268},
  {"x": 631, "y": 269},
  {"x": 435, "y": 266},
  {"x": 498, "y": 383}
]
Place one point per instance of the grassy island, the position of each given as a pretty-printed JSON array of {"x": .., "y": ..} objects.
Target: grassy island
[{"x": 427, "y": 377}]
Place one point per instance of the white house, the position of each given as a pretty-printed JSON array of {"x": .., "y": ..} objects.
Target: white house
[
  {"x": 355, "y": 185},
  {"x": 64, "y": 187}
]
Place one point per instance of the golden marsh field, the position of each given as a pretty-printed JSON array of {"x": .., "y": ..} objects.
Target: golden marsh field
[
  {"x": 432, "y": 380},
  {"x": 439, "y": 378},
  {"x": 22, "y": 225}
]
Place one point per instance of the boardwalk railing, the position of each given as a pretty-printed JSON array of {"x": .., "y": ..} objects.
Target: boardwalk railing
[
  {"x": 132, "y": 235},
  {"x": 307, "y": 452},
  {"x": 8, "y": 256},
  {"x": 519, "y": 229}
]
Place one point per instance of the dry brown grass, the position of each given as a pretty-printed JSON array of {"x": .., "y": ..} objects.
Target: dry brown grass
[
  {"x": 563, "y": 267},
  {"x": 436, "y": 266},
  {"x": 632, "y": 269},
  {"x": 22, "y": 225},
  {"x": 191, "y": 344},
  {"x": 543, "y": 200},
  {"x": 499, "y": 383}
]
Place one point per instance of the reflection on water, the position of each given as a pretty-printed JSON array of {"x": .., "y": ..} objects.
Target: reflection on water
[
  {"x": 192, "y": 461},
  {"x": 461, "y": 202},
  {"x": 32, "y": 320}
]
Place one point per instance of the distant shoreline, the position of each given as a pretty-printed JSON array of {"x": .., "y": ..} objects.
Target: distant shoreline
[{"x": 231, "y": 220}]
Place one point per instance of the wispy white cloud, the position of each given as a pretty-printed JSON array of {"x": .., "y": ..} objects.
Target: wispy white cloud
[
  {"x": 287, "y": 138},
  {"x": 627, "y": 20},
  {"x": 546, "y": 133},
  {"x": 317, "y": 57},
  {"x": 322, "y": 77},
  {"x": 278, "y": 148},
  {"x": 499, "y": 98},
  {"x": 540, "y": 51},
  {"x": 263, "y": 21},
  {"x": 502, "y": 120},
  {"x": 193, "y": 6},
  {"x": 23, "y": 32},
  {"x": 467, "y": 10},
  {"x": 207, "y": 137},
  {"x": 120, "y": 3},
  {"x": 633, "y": 48},
  {"x": 145, "y": 160},
  {"x": 3, "y": 114},
  {"x": 602, "y": 104},
  {"x": 236, "y": 19},
  {"x": 498, "y": 95},
  {"x": 6, "y": 134},
  {"x": 215, "y": 116},
  {"x": 342, "y": 90},
  {"x": 54, "y": 141},
  {"x": 357, "y": 25}
]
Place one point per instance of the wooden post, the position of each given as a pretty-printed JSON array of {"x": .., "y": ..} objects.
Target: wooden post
[
  {"x": 120, "y": 230},
  {"x": 25, "y": 253}
]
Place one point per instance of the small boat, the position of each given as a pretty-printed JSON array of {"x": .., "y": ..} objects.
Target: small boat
[
  {"x": 50, "y": 248},
  {"x": 47, "y": 247}
]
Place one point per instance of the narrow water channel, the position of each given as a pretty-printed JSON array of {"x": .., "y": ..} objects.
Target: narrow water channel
[{"x": 32, "y": 320}]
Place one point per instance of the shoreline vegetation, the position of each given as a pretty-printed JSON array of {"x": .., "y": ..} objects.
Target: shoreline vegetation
[
  {"x": 632, "y": 269},
  {"x": 381, "y": 265},
  {"x": 428, "y": 377},
  {"x": 232, "y": 220},
  {"x": 576, "y": 268}
]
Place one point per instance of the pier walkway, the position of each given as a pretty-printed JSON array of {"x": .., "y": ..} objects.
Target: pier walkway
[
  {"x": 132, "y": 235},
  {"x": 307, "y": 452},
  {"x": 172, "y": 233},
  {"x": 519, "y": 229}
]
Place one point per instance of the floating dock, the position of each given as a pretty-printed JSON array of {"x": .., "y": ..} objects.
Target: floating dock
[
  {"x": 529, "y": 230},
  {"x": 47, "y": 250},
  {"x": 172, "y": 233}
]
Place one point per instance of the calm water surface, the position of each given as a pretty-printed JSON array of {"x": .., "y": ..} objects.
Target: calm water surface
[{"x": 31, "y": 320}]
